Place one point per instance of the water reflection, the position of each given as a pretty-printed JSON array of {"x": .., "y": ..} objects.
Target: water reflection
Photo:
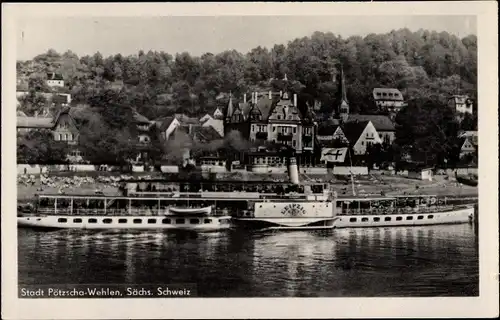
[{"x": 406, "y": 261}]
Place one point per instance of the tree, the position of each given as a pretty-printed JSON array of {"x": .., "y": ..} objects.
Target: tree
[
  {"x": 32, "y": 103},
  {"x": 39, "y": 147},
  {"x": 426, "y": 130}
]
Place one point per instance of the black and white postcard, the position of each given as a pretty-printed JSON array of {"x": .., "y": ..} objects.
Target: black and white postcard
[{"x": 249, "y": 160}]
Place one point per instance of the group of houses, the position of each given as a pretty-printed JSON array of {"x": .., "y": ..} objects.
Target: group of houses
[
  {"x": 268, "y": 121},
  {"x": 55, "y": 94}
]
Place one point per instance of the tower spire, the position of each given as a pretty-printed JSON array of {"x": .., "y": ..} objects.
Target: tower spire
[
  {"x": 343, "y": 104},
  {"x": 230, "y": 108},
  {"x": 342, "y": 88}
]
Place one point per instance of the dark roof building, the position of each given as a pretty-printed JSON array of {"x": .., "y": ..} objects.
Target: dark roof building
[
  {"x": 353, "y": 130},
  {"x": 380, "y": 122}
]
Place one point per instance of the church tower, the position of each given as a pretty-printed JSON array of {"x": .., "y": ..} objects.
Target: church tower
[{"x": 343, "y": 104}]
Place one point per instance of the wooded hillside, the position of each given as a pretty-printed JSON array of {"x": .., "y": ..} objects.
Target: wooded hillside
[{"x": 422, "y": 64}]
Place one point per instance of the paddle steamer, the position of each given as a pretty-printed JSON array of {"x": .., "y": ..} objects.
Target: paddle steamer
[{"x": 217, "y": 205}]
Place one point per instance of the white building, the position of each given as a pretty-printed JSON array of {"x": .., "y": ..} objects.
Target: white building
[
  {"x": 55, "y": 80},
  {"x": 461, "y": 103},
  {"x": 389, "y": 99}
]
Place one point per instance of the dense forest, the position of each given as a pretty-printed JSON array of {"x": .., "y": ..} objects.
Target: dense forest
[{"x": 422, "y": 64}]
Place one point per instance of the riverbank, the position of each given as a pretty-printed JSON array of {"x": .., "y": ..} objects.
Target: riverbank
[{"x": 107, "y": 183}]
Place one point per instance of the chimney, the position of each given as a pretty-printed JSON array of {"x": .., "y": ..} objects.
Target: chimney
[
  {"x": 293, "y": 171},
  {"x": 295, "y": 100},
  {"x": 270, "y": 95},
  {"x": 253, "y": 97},
  {"x": 245, "y": 98},
  {"x": 256, "y": 97}
]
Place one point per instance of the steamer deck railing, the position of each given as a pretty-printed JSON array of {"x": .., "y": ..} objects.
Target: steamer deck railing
[
  {"x": 118, "y": 212},
  {"x": 388, "y": 211}
]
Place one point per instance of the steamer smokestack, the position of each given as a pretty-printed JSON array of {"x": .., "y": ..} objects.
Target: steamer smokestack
[
  {"x": 293, "y": 171},
  {"x": 245, "y": 98},
  {"x": 295, "y": 100}
]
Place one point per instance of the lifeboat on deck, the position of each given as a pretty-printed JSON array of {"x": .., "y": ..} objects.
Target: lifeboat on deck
[{"x": 194, "y": 211}]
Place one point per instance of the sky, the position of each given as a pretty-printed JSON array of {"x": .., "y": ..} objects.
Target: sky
[{"x": 200, "y": 34}]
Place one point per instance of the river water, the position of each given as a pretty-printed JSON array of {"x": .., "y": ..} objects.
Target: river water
[{"x": 370, "y": 262}]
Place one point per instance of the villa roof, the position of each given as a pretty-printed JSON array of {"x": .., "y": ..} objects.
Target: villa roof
[
  {"x": 265, "y": 106},
  {"x": 380, "y": 122}
]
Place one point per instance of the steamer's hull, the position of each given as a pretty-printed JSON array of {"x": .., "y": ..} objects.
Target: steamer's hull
[
  {"x": 128, "y": 222},
  {"x": 464, "y": 215}
]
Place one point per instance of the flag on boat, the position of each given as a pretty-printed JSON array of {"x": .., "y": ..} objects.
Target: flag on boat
[{"x": 333, "y": 154}]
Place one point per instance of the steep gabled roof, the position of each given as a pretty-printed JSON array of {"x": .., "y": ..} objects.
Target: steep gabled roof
[
  {"x": 140, "y": 118},
  {"x": 205, "y": 134},
  {"x": 380, "y": 122},
  {"x": 265, "y": 106},
  {"x": 245, "y": 108},
  {"x": 163, "y": 123},
  {"x": 183, "y": 119},
  {"x": 353, "y": 130},
  {"x": 327, "y": 129}
]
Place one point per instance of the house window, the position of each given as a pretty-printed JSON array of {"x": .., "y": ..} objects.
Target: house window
[
  {"x": 294, "y": 130},
  {"x": 71, "y": 137},
  {"x": 294, "y": 143}
]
